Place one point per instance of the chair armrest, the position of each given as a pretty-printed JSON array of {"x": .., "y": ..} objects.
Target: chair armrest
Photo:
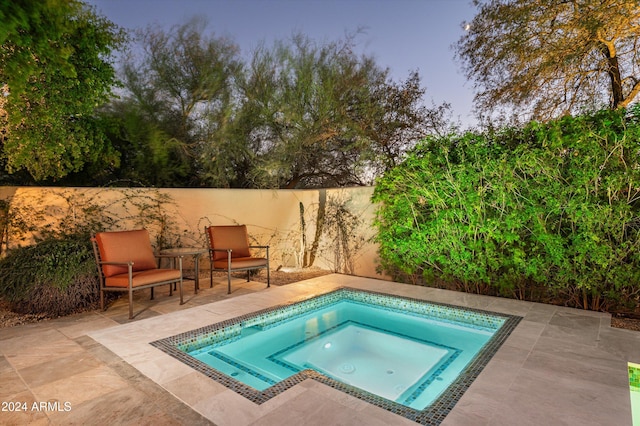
[
  {"x": 266, "y": 249},
  {"x": 225, "y": 250}
]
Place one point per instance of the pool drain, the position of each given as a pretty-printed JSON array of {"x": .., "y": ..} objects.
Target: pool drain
[
  {"x": 347, "y": 368},
  {"x": 390, "y": 371}
]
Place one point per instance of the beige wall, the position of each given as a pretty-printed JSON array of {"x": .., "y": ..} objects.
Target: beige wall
[{"x": 177, "y": 217}]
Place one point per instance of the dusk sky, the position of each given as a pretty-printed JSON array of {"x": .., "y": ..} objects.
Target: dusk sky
[{"x": 403, "y": 35}]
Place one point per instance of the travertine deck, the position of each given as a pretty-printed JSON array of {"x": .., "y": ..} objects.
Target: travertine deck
[{"x": 559, "y": 367}]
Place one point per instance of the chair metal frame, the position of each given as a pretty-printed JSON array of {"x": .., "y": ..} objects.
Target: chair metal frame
[
  {"x": 229, "y": 269},
  {"x": 130, "y": 288}
]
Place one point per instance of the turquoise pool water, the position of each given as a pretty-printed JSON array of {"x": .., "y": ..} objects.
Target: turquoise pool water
[{"x": 408, "y": 356}]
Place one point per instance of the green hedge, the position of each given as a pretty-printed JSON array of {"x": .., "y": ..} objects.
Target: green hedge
[
  {"x": 546, "y": 211},
  {"x": 54, "y": 277}
]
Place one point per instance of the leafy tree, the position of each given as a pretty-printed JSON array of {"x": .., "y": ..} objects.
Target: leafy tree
[
  {"x": 54, "y": 71},
  {"x": 177, "y": 94},
  {"x": 299, "y": 114},
  {"x": 553, "y": 57},
  {"x": 318, "y": 115},
  {"x": 296, "y": 102},
  {"x": 395, "y": 118}
]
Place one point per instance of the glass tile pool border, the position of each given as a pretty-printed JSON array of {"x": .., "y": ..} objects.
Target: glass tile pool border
[{"x": 176, "y": 346}]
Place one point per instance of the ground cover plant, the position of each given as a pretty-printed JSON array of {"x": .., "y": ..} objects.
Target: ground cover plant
[
  {"x": 547, "y": 212},
  {"x": 54, "y": 277}
]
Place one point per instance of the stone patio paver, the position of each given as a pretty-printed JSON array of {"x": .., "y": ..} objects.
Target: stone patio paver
[{"x": 560, "y": 366}]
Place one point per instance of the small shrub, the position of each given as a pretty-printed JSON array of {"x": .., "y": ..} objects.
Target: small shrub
[{"x": 54, "y": 277}]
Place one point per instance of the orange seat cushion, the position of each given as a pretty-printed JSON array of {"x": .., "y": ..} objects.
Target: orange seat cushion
[
  {"x": 141, "y": 278},
  {"x": 232, "y": 237},
  {"x": 241, "y": 262},
  {"x": 125, "y": 246}
]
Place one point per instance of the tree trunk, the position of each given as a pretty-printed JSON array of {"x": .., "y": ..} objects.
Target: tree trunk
[
  {"x": 302, "y": 256},
  {"x": 322, "y": 209},
  {"x": 613, "y": 70},
  {"x": 291, "y": 184}
]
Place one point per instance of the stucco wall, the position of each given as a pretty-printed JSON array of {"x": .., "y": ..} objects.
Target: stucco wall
[{"x": 287, "y": 220}]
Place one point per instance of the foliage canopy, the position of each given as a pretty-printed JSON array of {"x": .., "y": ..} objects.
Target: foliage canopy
[
  {"x": 176, "y": 95},
  {"x": 319, "y": 115},
  {"x": 295, "y": 114},
  {"x": 553, "y": 57},
  {"x": 54, "y": 71},
  {"x": 192, "y": 112},
  {"x": 550, "y": 210}
]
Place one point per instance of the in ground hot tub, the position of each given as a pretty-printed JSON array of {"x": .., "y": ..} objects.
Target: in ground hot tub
[{"x": 409, "y": 356}]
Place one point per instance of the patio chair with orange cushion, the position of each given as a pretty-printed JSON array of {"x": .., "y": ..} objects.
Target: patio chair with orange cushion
[
  {"x": 229, "y": 251},
  {"x": 126, "y": 262}
]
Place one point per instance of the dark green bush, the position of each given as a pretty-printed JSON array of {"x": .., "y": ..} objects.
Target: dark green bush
[
  {"x": 53, "y": 277},
  {"x": 547, "y": 211}
]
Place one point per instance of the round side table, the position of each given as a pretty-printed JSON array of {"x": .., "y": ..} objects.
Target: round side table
[{"x": 188, "y": 251}]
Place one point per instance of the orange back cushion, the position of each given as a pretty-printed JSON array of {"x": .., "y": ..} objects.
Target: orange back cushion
[
  {"x": 229, "y": 237},
  {"x": 125, "y": 246}
]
